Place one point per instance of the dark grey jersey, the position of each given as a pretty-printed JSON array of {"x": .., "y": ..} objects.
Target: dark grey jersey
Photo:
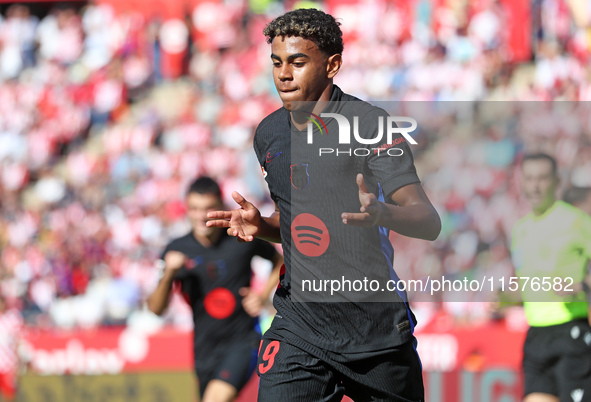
[{"x": 312, "y": 177}]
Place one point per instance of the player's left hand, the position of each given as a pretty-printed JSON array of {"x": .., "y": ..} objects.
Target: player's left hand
[
  {"x": 371, "y": 208},
  {"x": 252, "y": 302}
]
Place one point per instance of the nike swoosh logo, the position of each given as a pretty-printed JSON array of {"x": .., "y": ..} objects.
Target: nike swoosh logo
[{"x": 270, "y": 158}]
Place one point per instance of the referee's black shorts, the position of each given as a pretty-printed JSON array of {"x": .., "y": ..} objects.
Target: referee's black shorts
[
  {"x": 289, "y": 373},
  {"x": 557, "y": 361}
]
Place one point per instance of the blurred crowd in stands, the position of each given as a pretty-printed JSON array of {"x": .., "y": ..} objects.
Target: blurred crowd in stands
[{"x": 101, "y": 130}]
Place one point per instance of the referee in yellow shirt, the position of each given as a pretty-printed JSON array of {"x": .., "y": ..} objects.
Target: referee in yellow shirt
[
  {"x": 580, "y": 197},
  {"x": 553, "y": 244}
]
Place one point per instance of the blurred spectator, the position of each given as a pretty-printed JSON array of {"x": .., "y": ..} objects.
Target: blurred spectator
[
  {"x": 17, "y": 41},
  {"x": 10, "y": 328}
]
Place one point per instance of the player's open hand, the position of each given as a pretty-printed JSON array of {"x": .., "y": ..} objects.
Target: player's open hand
[
  {"x": 252, "y": 302},
  {"x": 243, "y": 223},
  {"x": 370, "y": 207}
]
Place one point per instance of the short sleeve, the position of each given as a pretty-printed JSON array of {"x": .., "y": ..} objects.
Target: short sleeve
[
  {"x": 256, "y": 145},
  {"x": 166, "y": 250},
  {"x": 584, "y": 231},
  {"x": 516, "y": 254},
  {"x": 391, "y": 164}
]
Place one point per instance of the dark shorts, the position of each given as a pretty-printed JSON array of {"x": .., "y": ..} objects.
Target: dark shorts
[
  {"x": 233, "y": 363},
  {"x": 289, "y": 373},
  {"x": 557, "y": 361}
]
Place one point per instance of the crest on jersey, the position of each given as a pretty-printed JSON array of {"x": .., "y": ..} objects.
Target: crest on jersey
[{"x": 299, "y": 176}]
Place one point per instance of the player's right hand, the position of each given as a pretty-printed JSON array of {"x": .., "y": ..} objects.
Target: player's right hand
[
  {"x": 174, "y": 260},
  {"x": 243, "y": 223}
]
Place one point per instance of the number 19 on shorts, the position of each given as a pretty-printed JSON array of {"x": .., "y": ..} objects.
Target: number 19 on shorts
[{"x": 268, "y": 356}]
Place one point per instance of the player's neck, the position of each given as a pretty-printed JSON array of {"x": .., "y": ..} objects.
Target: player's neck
[
  {"x": 209, "y": 240},
  {"x": 301, "y": 120},
  {"x": 543, "y": 208}
]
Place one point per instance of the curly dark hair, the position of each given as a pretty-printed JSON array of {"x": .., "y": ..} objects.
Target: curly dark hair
[{"x": 308, "y": 23}]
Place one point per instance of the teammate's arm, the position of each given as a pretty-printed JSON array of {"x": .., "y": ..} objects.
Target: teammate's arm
[
  {"x": 253, "y": 303},
  {"x": 246, "y": 222},
  {"x": 159, "y": 299},
  {"x": 412, "y": 216}
]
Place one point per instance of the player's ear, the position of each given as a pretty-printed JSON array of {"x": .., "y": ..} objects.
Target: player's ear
[{"x": 333, "y": 65}]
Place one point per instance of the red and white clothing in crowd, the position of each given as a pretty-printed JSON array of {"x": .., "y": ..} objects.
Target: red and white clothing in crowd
[{"x": 11, "y": 323}]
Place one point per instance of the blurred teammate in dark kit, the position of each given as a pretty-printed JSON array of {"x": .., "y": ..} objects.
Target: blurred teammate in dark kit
[
  {"x": 553, "y": 244},
  {"x": 320, "y": 351},
  {"x": 213, "y": 272}
]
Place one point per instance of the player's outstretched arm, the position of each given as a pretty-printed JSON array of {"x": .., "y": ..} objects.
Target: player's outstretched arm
[
  {"x": 246, "y": 222},
  {"x": 412, "y": 216},
  {"x": 158, "y": 301}
]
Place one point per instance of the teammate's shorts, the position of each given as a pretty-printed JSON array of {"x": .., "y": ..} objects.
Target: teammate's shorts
[
  {"x": 289, "y": 373},
  {"x": 233, "y": 363},
  {"x": 557, "y": 361},
  {"x": 7, "y": 385}
]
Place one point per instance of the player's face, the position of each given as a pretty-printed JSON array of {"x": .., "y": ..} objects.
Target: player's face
[
  {"x": 300, "y": 70},
  {"x": 198, "y": 205},
  {"x": 539, "y": 183}
]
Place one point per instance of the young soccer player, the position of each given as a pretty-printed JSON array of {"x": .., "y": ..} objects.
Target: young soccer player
[
  {"x": 332, "y": 217},
  {"x": 213, "y": 272}
]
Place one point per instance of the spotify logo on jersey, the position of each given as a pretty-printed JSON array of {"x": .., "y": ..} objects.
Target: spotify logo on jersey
[
  {"x": 310, "y": 235},
  {"x": 219, "y": 303}
]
